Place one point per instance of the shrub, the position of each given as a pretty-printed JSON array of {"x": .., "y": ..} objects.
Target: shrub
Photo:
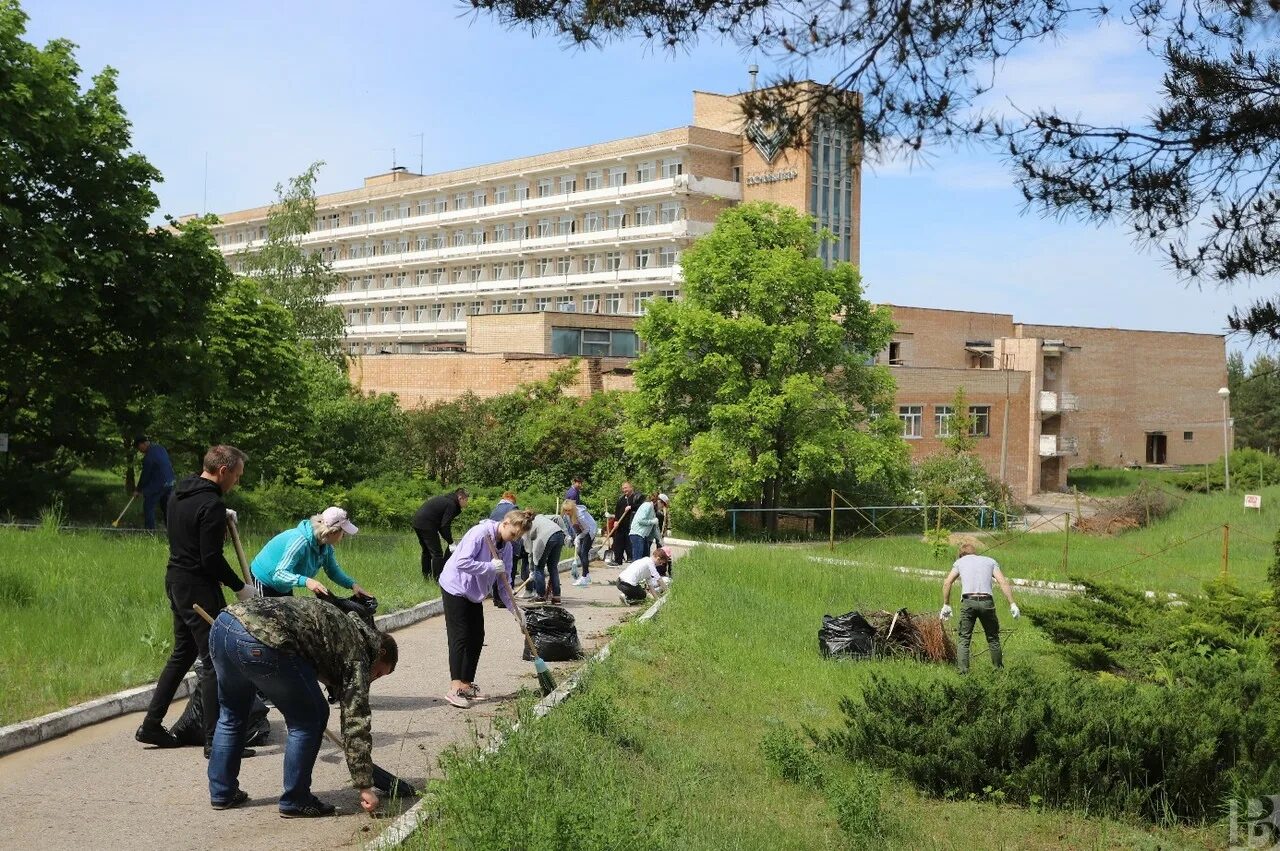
[
  {"x": 791, "y": 757},
  {"x": 954, "y": 480},
  {"x": 858, "y": 804}
]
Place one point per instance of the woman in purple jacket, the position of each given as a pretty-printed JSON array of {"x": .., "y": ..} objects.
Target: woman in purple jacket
[{"x": 480, "y": 558}]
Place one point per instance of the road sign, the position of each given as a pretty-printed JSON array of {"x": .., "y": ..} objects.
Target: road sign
[{"x": 1253, "y": 500}]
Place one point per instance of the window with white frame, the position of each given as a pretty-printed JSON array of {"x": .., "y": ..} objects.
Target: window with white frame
[
  {"x": 437, "y": 276},
  {"x": 368, "y": 282},
  {"x": 478, "y": 236},
  {"x": 519, "y": 269},
  {"x": 478, "y": 198},
  {"x": 476, "y": 308},
  {"x": 501, "y": 232},
  {"x": 667, "y": 256},
  {"x": 590, "y": 263},
  {"x": 437, "y": 239},
  {"x": 437, "y": 312},
  {"x": 388, "y": 247},
  {"x": 980, "y": 420},
  {"x": 439, "y": 204},
  {"x": 460, "y": 201},
  {"x": 613, "y": 303},
  {"x": 367, "y": 318},
  {"x": 669, "y": 212},
  {"x": 498, "y": 305},
  {"x": 499, "y": 271},
  {"x": 355, "y": 250},
  {"x": 477, "y": 273},
  {"x": 672, "y": 166},
  {"x": 420, "y": 313},
  {"x": 405, "y": 210},
  {"x": 594, "y": 180},
  {"x": 566, "y": 225},
  {"x": 667, "y": 295},
  {"x": 422, "y": 242},
  {"x": 459, "y": 310},
  {"x": 566, "y": 304},
  {"x": 942, "y": 420},
  {"x": 645, "y": 171},
  {"x": 420, "y": 279},
  {"x": 564, "y": 264},
  {"x": 500, "y": 194},
  {"x": 401, "y": 312},
  {"x": 644, "y": 257},
  {"x": 357, "y": 217},
  {"x": 460, "y": 275},
  {"x": 617, "y": 219},
  {"x": 590, "y": 303},
  {"x": 544, "y": 227},
  {"x": 520, "y": 230},
  {"x": 644, "y": 216},
  {"x": 387, "y": 281},
  {"x": 387, "y": 315},
  {"x": 592, "y": 222},
  {"x": 544, "y": 187},
  {"x": 402, "y": 279},
  {"x": 618, "y": 176},
  {"x": 568, "y": 183},
  {"x": 459, "y": 238},
  {"x": 522, "y": 191},
  {"x": 612, "y": 261},
  {"x": 518, "y": 305},
  {"x": 354, "y": 317},
  {"x": 639, "y": 300},
  {"x": 541, "y": 303},
  {"x": 912, "y": 417},
  {"x": 543, "y": 266},
  {"x": 424, "y": 207},
  {"x": 388, "y": 214},
  {"x": 402, "y": 246}
]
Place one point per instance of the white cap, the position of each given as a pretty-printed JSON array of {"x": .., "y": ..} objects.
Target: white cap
[
  {"x": 664, "y": 498},
  {"x": 335, "y": 518}
]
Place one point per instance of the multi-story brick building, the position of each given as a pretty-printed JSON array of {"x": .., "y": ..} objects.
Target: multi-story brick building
[{"x": 593, "y": 230}]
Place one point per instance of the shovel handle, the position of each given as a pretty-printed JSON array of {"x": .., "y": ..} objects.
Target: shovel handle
[
  {"x": 493, "y": 553},
  {"x": 202, "y": 613},
  {"x": 235, "y": 542}
]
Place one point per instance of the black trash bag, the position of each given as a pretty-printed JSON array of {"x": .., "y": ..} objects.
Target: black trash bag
[
  {"x": 189, "y": 729},
  {"x": 553, "y": 633},
  {"x": 848, "y": 635},
  {"x": 364, "y": 607}
]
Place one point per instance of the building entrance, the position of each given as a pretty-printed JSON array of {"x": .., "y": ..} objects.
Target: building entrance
[{"x": 1157, "y": 447}]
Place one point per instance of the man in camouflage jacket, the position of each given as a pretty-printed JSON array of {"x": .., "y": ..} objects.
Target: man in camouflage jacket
[{"x": 285, "y": 647}]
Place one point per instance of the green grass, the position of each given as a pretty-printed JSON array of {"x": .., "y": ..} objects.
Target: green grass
[
  {"x": 84, "y": 614},
  {"x": 1118, "y": 481},
  {"x": 664, "y": 747},
  {"x": 1179, "y": 553}
]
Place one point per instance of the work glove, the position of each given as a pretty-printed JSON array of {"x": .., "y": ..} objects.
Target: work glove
[
  {"x": 945, "y": 613},
  {"x": 448, "y": 550},
  {"x": 248, "y": 592},
  {"x": 1013, "y": 610},
  {"x": 232, "y": 517},
  {"x": 499, "y": 567}
]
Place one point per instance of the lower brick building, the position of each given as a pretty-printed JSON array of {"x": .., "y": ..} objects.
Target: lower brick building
[{"x": 1043, "y": 398}]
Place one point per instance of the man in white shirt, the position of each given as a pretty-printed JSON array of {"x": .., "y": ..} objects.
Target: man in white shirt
[
  {"x": 642, "y": 575},
  {"x": 976, "y": 602}
]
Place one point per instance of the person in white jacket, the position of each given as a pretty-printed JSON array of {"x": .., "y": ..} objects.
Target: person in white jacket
[
  {"x": 642, "y": 576},
  {"x": 582, "y": 529}
]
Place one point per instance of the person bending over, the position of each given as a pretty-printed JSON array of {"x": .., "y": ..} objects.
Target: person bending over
[
  {"x": 583, "y": 528},
  {"x": 434, "y": 520},
  {"x": 481, "y": 560},
  {"x": 294, "y": 557},
  {"x": 285, "y": 647},
  {"x": 643, "y": 575}
]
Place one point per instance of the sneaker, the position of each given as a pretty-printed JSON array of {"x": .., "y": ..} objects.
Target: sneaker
[
  {"x": 316, "y": 809},
  {"x": 471, "y": 692},
  {"x": 458, "y": 699},
  {"x": 156, "y": 735},
  {"x": 234, "y": 801},
  {"x": 623, "y": 598},
  {"x": 582, "y": 582},
  {"x": 527, "y": 594},
  {"x": 244, "y": 754},
  {"x": 555, "y": 600}
]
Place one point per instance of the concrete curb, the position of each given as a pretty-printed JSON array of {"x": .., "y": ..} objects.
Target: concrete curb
[
  {"x": 24, "y": 734},
  {"x": 417, "y": 816}
]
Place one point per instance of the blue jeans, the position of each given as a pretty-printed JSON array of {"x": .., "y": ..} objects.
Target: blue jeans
[
  {"x": 584, "y": 554},
  {"x": 152, "y": 501},
  {"x": 638, "y": 546},
  {"x": 244, "y": 664},
  {"x": 550, "y": 561}
]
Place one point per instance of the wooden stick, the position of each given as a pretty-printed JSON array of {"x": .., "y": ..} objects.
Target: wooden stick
[
  {"x": 235, "y": 541},
  {"x": 493, "y": 553}
]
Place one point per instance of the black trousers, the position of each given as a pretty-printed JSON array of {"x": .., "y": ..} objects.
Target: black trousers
[
  {"x": 432, "y": 552},
  {"x": 633, "y": 593},
  {"x": 464, "y": 624},
  {"x": 190, "y": 642},
  {"x": 622, "y": 543}
]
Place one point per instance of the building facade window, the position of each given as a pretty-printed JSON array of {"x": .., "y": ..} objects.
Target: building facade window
[
  {"x": 942, "y": 420},
  {"x": 667, "y": 295},
  {"x": 564, "y": 264},
  {"x": 566, "y": 225},
  {"x": 645, "y": 216},
  {"x": 591, "y": 263},
  {"x": 980, "y": 425},
  {"x": 667, "y": 256},
  {"x": 669, "y": 212},
  {"x": 460, "y": 201},
  {"x": 544, "y": 228},
  {"x": 459, "y": 311},
  {"x": 541, "y": 303},
  {"x": 1188, "y": 435},
  {"x": 519, "y": 269},
  {"x": 543, "y": 266},
  {"x": 618, "y": 176},
  {"x": 592, "y": 222},
  {"x": 478, "y": 198},
  {"x": 593, "y": 342},
  {"x": 612, "y": 261},
  {"x": 439, "y": 204},
  {"x": 518, "y": 305},
  {"x": 568, "y": 183},
  {"x": 544, "y": 187},
  {"x": 522, "y": 191},
  {"x": 645, "y": 171},
  {"x": 437, "y": 312},
  {"x": 475, "y": 308},
  {"x": 477, "y": 273},
  {"x": 422, "y": 242},
  {"x": 500, "y": 194},
  {"x": 613, "y": 304},
  {"x": 639, "y": 301},
  {"x": 566, "y": 304},
  {"x": 617, "y": 219},
  {"x": 911, "y": 416},
  {"x": 499, "y": 271},
  {"x": 643, "y": 258},
  {"x": 672, "y": 167},
  {"x": 501, "y": 232},
  {"x": 594, "y": 180},
  {"x": 590, "y": 303},
  {"x": 498, "y": 305}
]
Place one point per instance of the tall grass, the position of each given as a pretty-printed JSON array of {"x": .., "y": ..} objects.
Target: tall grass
[
  {"x": 85, "y": 614},
  {"x": 686, "y": 737}
]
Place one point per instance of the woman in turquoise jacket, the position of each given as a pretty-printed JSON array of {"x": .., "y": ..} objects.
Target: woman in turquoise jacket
[{"x": 293, "y": 558}]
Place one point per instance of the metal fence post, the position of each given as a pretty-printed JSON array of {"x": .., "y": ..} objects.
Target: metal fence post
[
  {"x": 733, "y": 521},
  {"x": 833, "y": 521},
  {"x": 1226, "y": 548}
]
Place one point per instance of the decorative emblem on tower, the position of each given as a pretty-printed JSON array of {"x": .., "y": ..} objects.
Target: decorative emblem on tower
[{"x": 767, "y": 139}]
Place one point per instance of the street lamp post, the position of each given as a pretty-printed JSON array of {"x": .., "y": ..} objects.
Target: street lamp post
[{"x": 1225, "y": 394}]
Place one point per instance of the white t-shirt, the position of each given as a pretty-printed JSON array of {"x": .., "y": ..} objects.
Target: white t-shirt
[
  {"x": 975, "y": 573},
  {"x": 640, "y": 572}
]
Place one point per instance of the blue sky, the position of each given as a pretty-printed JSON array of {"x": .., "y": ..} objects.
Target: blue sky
[{"x": 263, "y": 89}]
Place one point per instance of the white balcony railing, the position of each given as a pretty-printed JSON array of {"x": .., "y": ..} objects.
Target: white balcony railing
[
  {"x": 1055, "y": 444},
  {"x": 682, "y": 184},
  {"x": 1057, "y": 403},
  {"x": 392, "y": 330},
  {"x": 528, "y": 284}
]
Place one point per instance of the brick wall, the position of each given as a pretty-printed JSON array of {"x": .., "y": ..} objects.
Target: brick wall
[{"x": 936, "y": 338}]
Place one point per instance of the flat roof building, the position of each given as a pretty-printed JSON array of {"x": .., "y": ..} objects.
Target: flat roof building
[{"x": 596, "y": 229}]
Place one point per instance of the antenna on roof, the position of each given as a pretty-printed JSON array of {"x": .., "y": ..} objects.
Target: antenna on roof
[{"x": 752, "y": 71}]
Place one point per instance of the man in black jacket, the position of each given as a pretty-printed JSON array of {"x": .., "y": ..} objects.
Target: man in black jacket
[
  {"x": 197, "y": 524},
  {"x": 433, "y": 520},
  {"x": 624, "y": 510}
]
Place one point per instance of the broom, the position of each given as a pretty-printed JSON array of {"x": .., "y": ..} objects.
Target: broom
[
  {"x": 382, "y": 779},
  {"x": 545, "y": 681},
  {"x": 115, "y": 524}
]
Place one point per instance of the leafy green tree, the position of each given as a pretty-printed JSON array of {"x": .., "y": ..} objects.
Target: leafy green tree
[
  {"x": 960, "y": 438},
  {"x": 98, "y": 310},
  {"x": 295, "y": 276},
  {"x": 758, "y": 382},
  {"x": 1255, "y": 401}
]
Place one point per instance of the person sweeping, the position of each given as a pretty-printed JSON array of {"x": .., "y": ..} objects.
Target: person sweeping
[
  {"x": 294, "y": 557},
  {"x": 468, "y": 577},
  {"x": 976, "y": 602}
]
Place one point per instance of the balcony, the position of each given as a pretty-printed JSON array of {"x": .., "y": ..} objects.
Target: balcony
[
  {"x": 527, "y": 284},
  {"x": 1055, "y": 445},
  {"x": 394, "y": 330},
  {"x": 667, "y": 187},
  {"x": 1052, "y": 403}
]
